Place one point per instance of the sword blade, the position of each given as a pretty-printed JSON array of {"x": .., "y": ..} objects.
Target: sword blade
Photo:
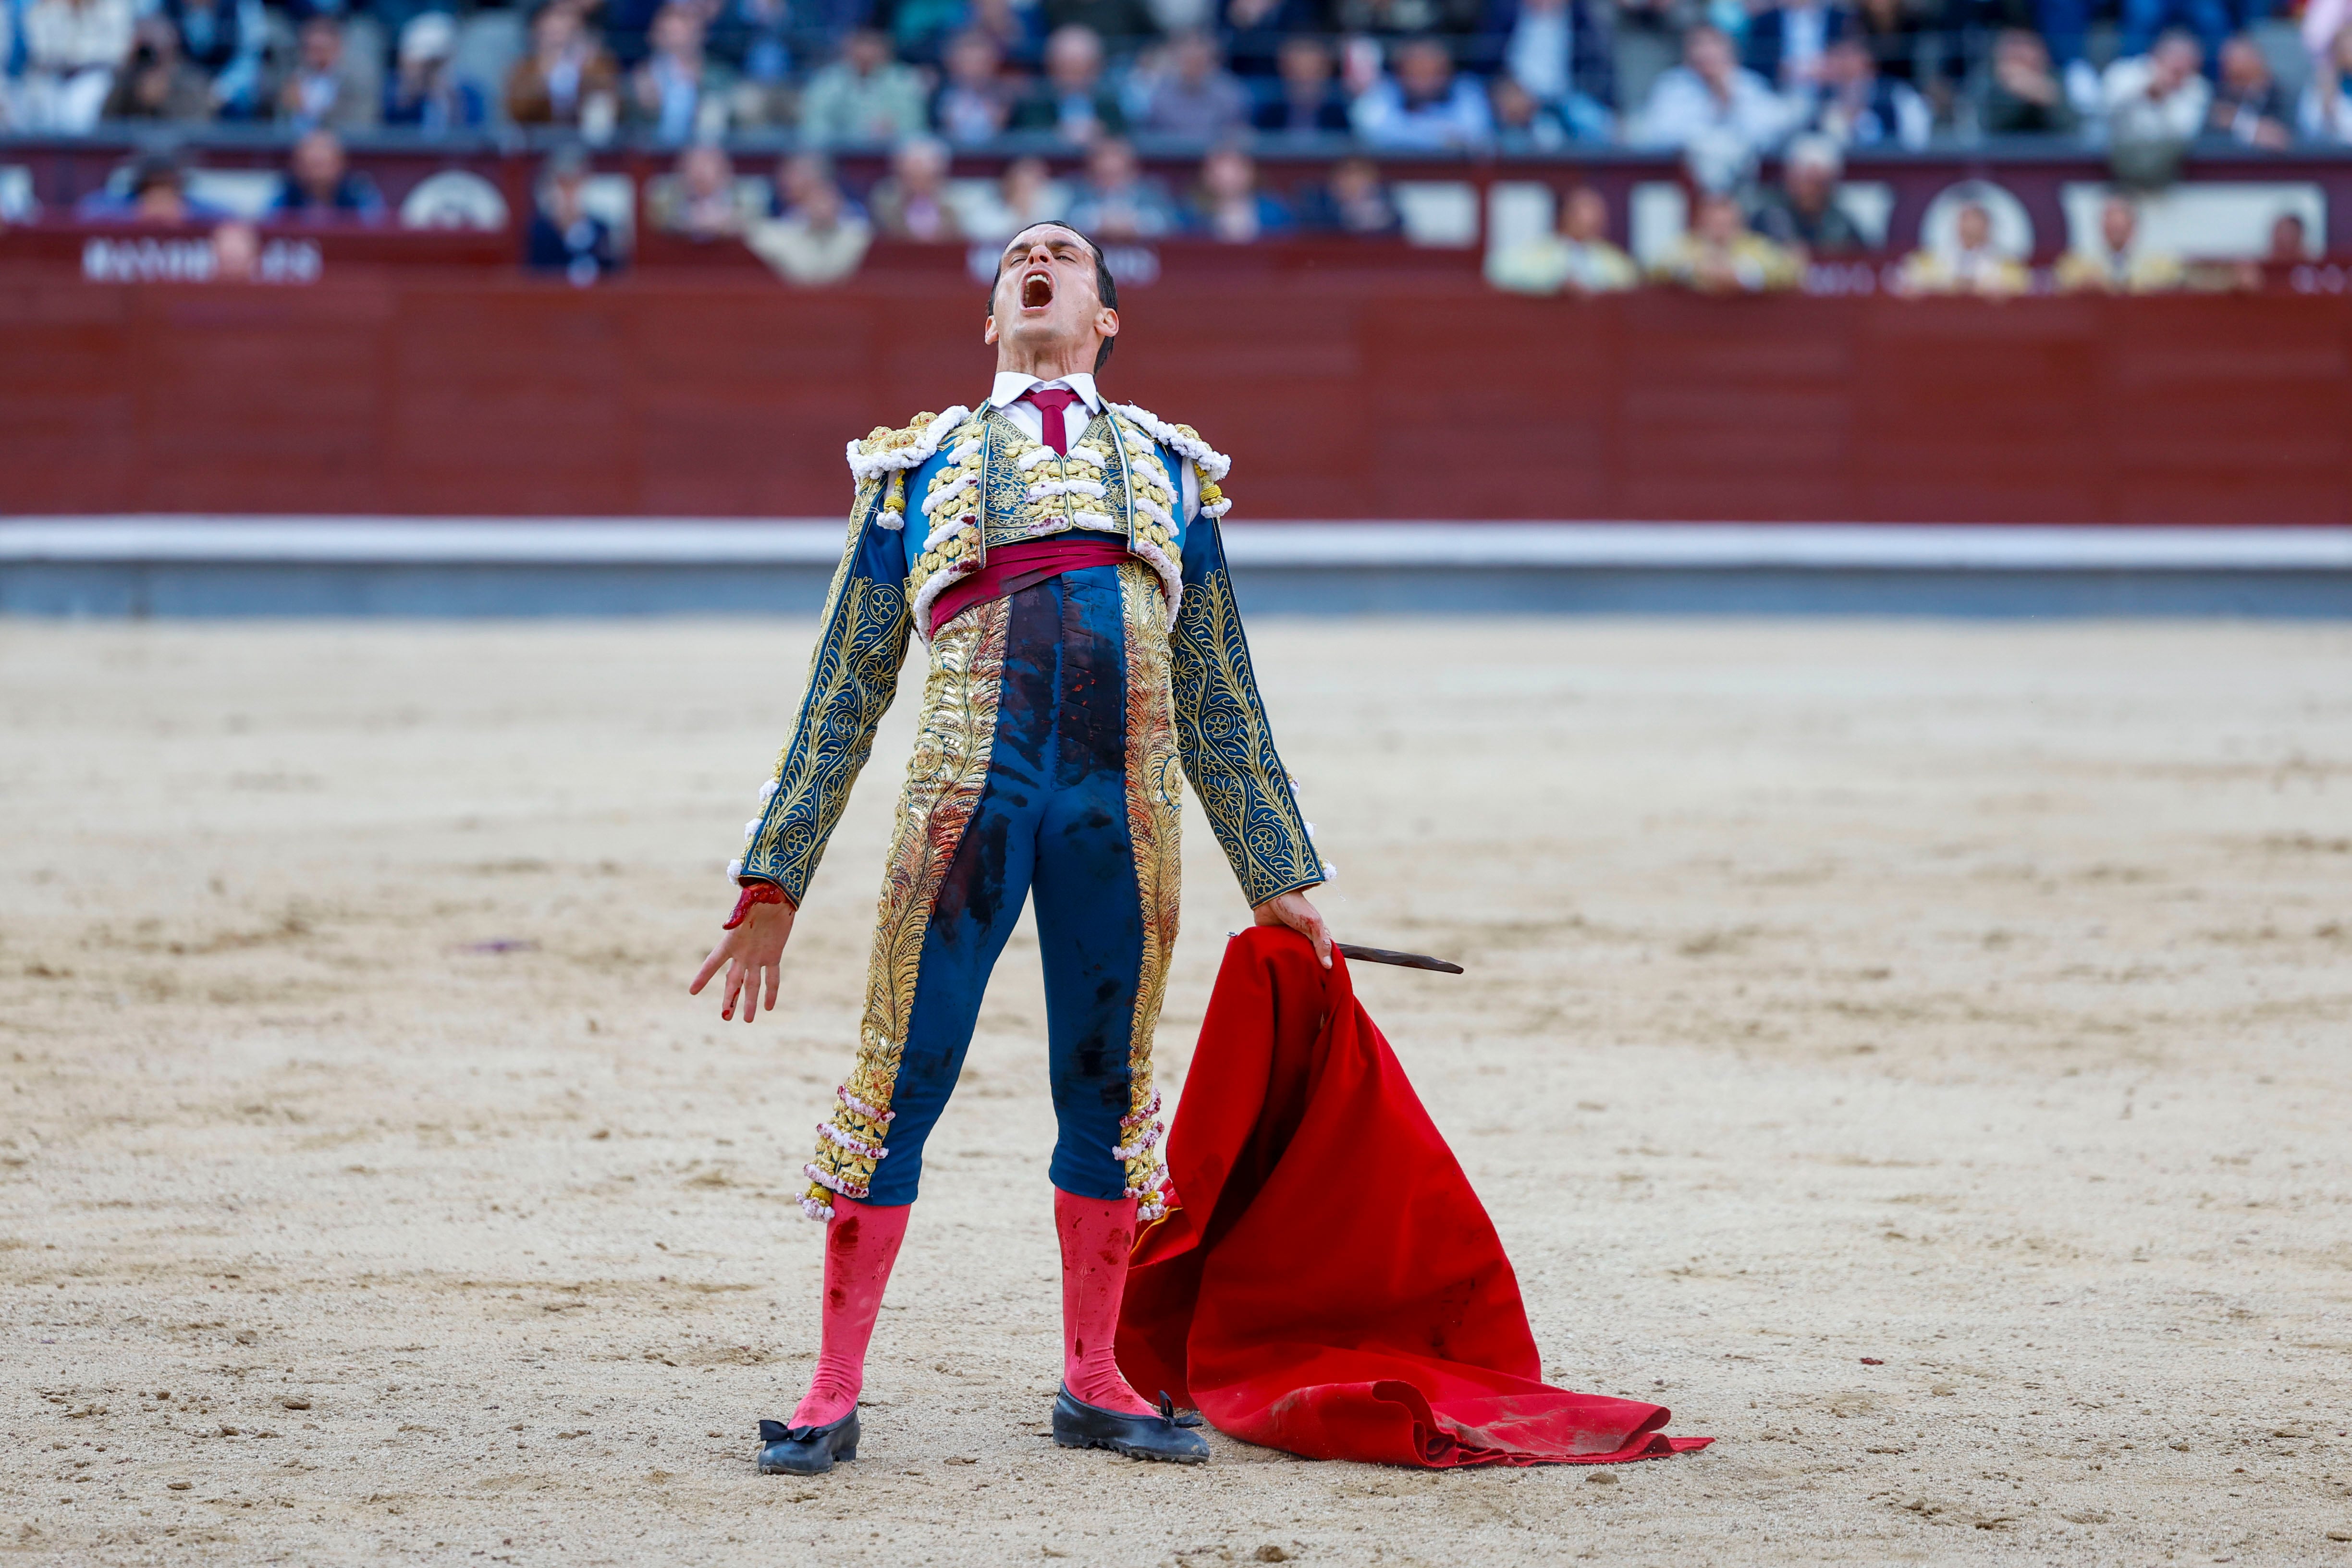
[{"x": 1402, "y": 960}]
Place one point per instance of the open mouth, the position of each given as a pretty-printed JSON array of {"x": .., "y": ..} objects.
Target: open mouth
[{"x": 1036, "y": 290}]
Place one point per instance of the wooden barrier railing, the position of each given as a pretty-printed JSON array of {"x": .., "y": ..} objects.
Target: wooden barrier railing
[{"x": 1338, "y": 396}]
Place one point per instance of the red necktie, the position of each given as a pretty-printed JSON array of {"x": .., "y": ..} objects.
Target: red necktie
[{"x": 1052, "y": 402}]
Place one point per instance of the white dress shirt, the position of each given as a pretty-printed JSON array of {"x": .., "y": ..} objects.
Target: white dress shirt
[{"x": 1012, "y": 387}]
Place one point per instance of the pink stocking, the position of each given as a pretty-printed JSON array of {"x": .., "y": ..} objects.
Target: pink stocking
[
  {"x": 1096, "y": 1236},
  {"x": 861, "y": 1242}
]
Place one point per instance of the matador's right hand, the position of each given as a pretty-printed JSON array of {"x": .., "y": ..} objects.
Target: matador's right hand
[{"x": 752, "y": 953}]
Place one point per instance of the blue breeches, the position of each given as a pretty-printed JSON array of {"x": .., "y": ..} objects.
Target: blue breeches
[{"x": 1044, "y": 768}]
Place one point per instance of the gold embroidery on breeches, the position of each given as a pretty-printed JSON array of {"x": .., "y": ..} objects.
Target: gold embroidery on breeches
[
  {"x": 1155, "y": 802},
  {"x": 945, "y": 778}
]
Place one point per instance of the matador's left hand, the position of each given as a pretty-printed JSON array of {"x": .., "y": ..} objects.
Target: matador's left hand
[{"x": 1292, "y": 910}]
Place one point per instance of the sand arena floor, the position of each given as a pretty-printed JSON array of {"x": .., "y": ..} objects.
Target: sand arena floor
[{"x": 1917, "y": 1054}]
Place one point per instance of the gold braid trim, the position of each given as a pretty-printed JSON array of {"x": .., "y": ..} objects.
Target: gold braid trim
[
  {"x": 853, "y": 677},
  {"x": 944, "y": 780},
  {"x": 1228, "y": 746},
  {"x": 1155, "y": 809}
]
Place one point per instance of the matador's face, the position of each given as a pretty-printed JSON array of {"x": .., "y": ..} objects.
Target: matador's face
[{"x": 1046, "y": 296}]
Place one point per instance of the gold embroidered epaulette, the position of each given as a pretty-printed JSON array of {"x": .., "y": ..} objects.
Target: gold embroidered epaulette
[
  {"x": 908, "y": 446},
  {"x": 1212, "y": 465}
]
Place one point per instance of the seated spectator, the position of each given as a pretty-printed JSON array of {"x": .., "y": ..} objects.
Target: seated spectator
[
  {"x": 1856, "y": 107},
  {"x": 1257, "y": 31},
  {"x": 1973, "y": 265},
  {"x": 224, "y": 39},
  {"x": 919, "y": 27},
  {"x": 865, "y": 96},
  {"x": 1576, "y": 259},
  {"x": 679, "y": 93},
  {"x": 567, "y": 79},
  {"x": 912, "y": 203},
  {"x": 157, "y": 192},
  {"x": 72, "y": 49},
  {"x": 1805, "y": 215},
  {"x": 1129, "y": 21},
  {"x": 1404, "y": 18},
  {"x": 1308, "y": 102},
  {"x": 426, "y": 91},
  {"x": 155, "y": 82},
  {"x": 819, "y": 241},
  {"x": 2158, "y": 97},
  {"x": 326, "y": 87},
  {"x": 1117, "y": 200},
  {"x": 564, "y": 236},
  {"x": 1229, "y": 204},
  {"x": 2023, "y": 97},
  {"x": 798, "y": 178},
  {"x": 2283, "y": 258},
  {"x": 1720, "y": 254},
  {"x": 321, "y": 187},
  {"x": 1560, "y": 51},
  {"x": 1072, "y": 101},
  {"x": 2127, "y": 266},
  {"x": 755, "y": 39},
  {"x": 698, "y": 200},
  {"x": 1027, "y": 193},
  {"x": 2248, "y": 104},
  {"x": 1710, "y": 104},
  {"x": 975, "y": 103},
  {"x": 1521, "y": 124},
  {"x": 1196, "y": 99},
  {"x": 2320, "y": 22},
  {"x": 1016, "y": 29},
  {"x": 1353, "y": 201},
  {"x": 1425, "y": 106},
  {"x": 2206, "y": 22},
  {"x": 1893, "y": 30},
  {"x": 1788, "y": 42},
  {"x": 2325, "y": 113}
]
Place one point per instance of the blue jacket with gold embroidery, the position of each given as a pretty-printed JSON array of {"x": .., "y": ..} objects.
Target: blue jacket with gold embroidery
[{"x": 931, "y": 498}]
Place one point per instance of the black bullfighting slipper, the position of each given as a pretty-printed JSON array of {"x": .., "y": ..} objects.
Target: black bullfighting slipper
[
  {"x": 806, "y": 1450},
  {"x": 1078, "y": 1425}
]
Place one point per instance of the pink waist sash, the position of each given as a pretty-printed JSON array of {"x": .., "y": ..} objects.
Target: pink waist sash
[{"x": 1015, "y": 567}]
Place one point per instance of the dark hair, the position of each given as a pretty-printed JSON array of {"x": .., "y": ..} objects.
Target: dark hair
[{"x": 1105, "y": 286}]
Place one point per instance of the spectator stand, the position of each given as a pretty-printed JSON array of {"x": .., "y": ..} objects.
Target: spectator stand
[{"x": 2046, "y": 201}]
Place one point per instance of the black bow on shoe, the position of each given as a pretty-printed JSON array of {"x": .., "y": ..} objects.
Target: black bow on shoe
[
  {"x": 806, "y": 1450},
  {"x": 1175, "y": 1417},
  {"x": 1158, "y": 1436}
]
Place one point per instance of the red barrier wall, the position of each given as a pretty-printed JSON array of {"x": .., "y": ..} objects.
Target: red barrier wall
[{"x": 1400, "y": 398}]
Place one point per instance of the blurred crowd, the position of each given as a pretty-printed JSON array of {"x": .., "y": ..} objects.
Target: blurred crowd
[
  {"x": 1110, "y": 196},
  {"x": 1078, "y": 85},
  {"x": 1800, "y": 235},
  {"x": 800, "y": 218},
  {"x": 1721, "y": 80}
]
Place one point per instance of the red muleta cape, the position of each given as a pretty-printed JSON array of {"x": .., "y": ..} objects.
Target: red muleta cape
[{"x": 1330, "y": 1284}]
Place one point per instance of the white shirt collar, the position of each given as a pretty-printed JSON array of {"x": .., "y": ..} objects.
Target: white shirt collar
[{"x": 1011, "y": 385}]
